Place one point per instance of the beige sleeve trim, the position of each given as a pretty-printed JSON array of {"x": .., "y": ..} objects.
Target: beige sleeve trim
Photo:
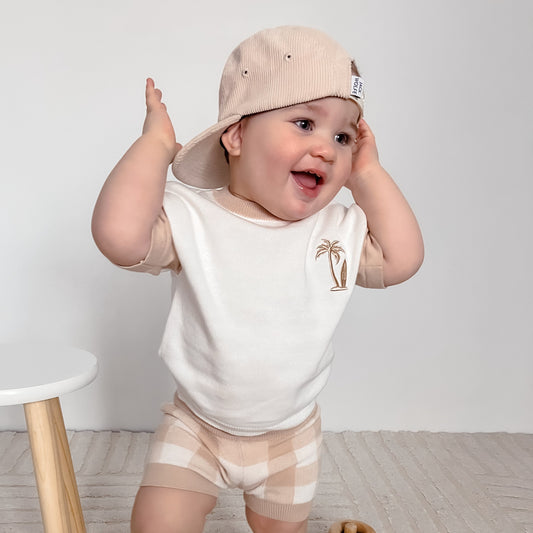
[
  {"x": 370, "y": 273},
  {"x": 161, "y": 254}
]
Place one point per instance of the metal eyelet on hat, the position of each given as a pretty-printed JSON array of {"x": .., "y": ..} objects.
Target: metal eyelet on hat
[
  {"x": 245, "y": 73},
  {"x": 288, "y": 57}
]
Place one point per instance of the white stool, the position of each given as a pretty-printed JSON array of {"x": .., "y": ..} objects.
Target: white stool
[{"x": 35, "y": 375}]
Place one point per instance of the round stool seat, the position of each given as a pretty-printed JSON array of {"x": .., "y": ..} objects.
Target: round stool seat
[{"x": 31, "y": 372}]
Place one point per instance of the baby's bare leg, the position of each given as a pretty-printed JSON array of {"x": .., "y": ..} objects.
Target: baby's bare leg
[
  {"x": 165, "y": 510},
  {"x": 262, "y": 524}
]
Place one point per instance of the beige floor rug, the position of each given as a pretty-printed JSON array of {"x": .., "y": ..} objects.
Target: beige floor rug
[{"x": 397, "y": 482}]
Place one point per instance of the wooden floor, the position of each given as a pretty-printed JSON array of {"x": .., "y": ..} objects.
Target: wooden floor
[{"x": 397, "y": 482}]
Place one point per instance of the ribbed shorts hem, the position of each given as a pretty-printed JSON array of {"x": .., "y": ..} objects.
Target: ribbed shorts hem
[
  {"x": 277, "y": 511},
  {"x": 176, "y": 477}
]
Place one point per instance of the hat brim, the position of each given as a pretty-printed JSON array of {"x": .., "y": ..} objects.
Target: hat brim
[{"x": 201, "y": 162}]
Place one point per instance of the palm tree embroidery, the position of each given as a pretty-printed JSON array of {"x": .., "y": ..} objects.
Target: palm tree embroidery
[{"x": 334, "y": 251}]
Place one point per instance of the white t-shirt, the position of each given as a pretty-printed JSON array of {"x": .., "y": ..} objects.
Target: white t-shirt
[{"x": 255, "y": 302}]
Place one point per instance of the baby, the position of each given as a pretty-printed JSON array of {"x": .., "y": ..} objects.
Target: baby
[{"x": 263, "y": 265}]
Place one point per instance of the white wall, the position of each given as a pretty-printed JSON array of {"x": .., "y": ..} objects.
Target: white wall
[{"x": 449, "y": 89}]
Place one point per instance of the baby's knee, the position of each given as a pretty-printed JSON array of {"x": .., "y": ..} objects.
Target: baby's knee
[
  {"x": 146, "y": 519},
  {"x": 148, "y": 523},
  {"x": 164, "y": 510}
]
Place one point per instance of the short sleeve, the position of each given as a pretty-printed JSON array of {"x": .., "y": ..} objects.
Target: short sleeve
[
  {"x": 370, "y": 273},
  {"x": 162, "y": 254}
]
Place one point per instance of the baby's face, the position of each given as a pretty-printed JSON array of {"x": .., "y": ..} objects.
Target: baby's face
[{"x": 293, "y": 161}]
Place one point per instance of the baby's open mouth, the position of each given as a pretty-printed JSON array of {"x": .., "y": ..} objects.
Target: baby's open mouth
[{"x": 308, "y": 179}]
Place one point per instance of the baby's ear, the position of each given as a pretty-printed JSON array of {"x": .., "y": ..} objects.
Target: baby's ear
[{"x": 232, "y": 139}]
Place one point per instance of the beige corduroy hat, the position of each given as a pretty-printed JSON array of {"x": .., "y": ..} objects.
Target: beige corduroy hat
[{"x": 273, "y": 68}]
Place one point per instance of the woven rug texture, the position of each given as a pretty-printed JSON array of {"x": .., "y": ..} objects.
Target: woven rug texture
[{"x": 398, "y": 482}]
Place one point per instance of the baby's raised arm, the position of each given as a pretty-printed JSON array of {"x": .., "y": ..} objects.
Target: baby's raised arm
[
  {"x": 389, "y": 216},
  {"x": 132, "y": 195}
]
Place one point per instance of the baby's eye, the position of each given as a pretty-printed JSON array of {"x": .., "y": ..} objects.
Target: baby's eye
[
  {"x": 342, "y": 138},
  {"x": 303, "y": 124}
]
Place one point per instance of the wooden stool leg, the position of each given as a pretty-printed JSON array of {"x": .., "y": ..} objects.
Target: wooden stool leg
[
  {"x": 70, "y": 486},
  {"x": 54, "y": 473}
]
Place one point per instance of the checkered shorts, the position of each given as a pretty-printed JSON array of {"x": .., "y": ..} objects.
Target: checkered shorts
[{"x": 277, "y": 471}]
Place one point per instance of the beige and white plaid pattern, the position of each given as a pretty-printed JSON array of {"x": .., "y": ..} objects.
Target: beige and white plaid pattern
[{"x": 277, "y": 471}]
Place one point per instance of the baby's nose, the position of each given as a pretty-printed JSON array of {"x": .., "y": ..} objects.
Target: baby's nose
[{"x": 324, "y": 148}]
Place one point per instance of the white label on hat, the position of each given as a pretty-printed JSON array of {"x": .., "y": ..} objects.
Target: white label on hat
[{"x": 358, "y": 86}]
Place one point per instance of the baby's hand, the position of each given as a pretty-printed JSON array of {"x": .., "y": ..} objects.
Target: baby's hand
[
  {"x": 365, "y": 158},
  {"x": 157, "y": 122}
]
